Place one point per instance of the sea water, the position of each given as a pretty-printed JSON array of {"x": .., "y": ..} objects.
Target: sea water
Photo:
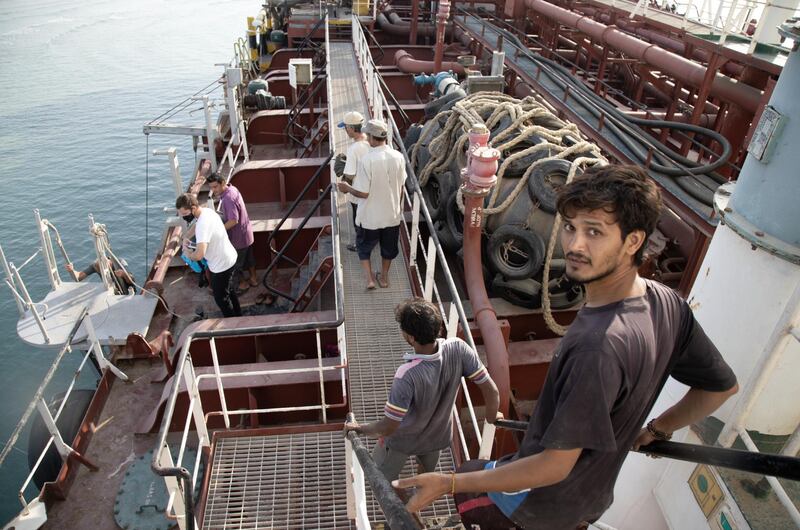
[{"x": 78, "y": 79}]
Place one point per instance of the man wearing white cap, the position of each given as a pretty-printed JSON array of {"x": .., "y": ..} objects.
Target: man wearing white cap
[
  {"x": 352, "y": 127},
  {"x": 379, "y": 181}
]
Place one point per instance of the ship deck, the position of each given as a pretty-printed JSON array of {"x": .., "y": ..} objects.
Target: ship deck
[{"x": 374, "y": 349}]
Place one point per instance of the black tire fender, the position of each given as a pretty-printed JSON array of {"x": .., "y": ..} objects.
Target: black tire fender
[
  {"x": 446, "y": 239},
  {"x": 545, "y": 181},
  {"x": 436, "y": 192},
  {"x": 412, "y": 135},
  {"x": 455, "y": 220},
  {"x": 527, "y": 258},
  {"x": 68, "y": 424}
]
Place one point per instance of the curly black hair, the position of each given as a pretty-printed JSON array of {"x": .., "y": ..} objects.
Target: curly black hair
[
  {"x": 420, "y": 319},
  {"x": 623, "y": 190}
]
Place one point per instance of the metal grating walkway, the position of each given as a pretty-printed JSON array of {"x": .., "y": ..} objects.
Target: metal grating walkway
[
  {"x": 282, "y": 481},
  {"x": 374, "y": 344}
]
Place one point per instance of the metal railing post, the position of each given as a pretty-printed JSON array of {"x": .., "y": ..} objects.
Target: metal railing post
[
  {"x": 174, "y": 167},
  {"x": 47, "y": 251},
  {"x": 220, "y": 388},
  {"x": 211, "y": 133},
  {"x": 430, "y": 268},
  {"x": 10, "y": 280},
  {"x": 321, "y": 380},
  {"x": 197, "y": 409},
  {"x": 19, "y": 284},
  {"x": 414, "y": 229},
  {"x": 232, "y": 77},
  {"x": 97, "y": 350}
]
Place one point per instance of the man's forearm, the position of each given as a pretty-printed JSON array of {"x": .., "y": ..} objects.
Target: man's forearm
[
  {"x": 230, "y": 224},
  {"x": 381, "y": 427},
  {"x": 693, "y": 407},
  {"x": 549, "y": 467},
  {"x": 491, "y": 399}
]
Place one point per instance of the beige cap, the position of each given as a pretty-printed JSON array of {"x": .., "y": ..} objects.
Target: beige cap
[
  {"x": 376, "y": 128},
  {"x": 351, "y": 118}
]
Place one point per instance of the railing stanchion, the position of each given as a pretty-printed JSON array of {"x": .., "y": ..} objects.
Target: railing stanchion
[
  {"x": 321, "y": 380},
  {"x": 220, "y": 388},
  {"x": 430, "y": 268},
  {"x": 414, "y": 229}
]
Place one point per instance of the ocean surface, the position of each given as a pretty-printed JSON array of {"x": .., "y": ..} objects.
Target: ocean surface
[{"x": 78, "y": 79}]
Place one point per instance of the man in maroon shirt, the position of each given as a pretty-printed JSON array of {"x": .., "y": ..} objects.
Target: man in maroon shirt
[
  {"x": 237, "y": 223},
  {"x": 605, "y": 375}
]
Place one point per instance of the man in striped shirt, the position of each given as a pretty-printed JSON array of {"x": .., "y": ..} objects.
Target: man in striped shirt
[{"x": 418, "y": 415}]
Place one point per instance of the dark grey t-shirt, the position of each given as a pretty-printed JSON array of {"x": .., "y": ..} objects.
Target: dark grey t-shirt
[
  {"x": 599, "y": 390},
  {"x": 423, "y": 392}
]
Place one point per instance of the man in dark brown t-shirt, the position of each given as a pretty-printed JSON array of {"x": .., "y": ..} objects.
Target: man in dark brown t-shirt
[{"x": 605, "y": 375}]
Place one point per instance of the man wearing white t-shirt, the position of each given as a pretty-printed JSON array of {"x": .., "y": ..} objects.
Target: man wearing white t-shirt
[
  {"x": 214, "y": 246},
  {"x": 352, "y": 124},
  {"x": 379, "y": 181}
]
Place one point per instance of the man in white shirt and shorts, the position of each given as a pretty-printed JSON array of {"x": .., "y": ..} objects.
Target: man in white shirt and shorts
[
  {"x": 379, "y": 180},
  {"x": 214, "y": 246},
  {"x": 352, "y": 123}
]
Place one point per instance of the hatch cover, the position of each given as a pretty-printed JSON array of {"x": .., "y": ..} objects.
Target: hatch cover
[{"x": 142, "y": 498}]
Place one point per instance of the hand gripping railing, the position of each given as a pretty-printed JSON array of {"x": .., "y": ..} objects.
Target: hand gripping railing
[
  {"x": 393, "y": 508},
  {"x": 780, "y": 466},
  {"x": 431, "y": 250}
]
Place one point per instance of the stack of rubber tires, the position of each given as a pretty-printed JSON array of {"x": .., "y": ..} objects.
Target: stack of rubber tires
[{"x": 515, "y": 240}]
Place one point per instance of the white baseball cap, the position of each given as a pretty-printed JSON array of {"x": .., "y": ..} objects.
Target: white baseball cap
[{"x": 351, "y": 118}]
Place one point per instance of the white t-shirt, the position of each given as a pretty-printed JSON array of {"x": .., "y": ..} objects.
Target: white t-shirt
[
  {"x": 382, "y": 173},
  {"x": 220, "y": 254},
  {"x": 354, "y": 154}
]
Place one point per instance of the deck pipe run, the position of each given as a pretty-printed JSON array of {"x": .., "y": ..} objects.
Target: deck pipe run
[
  {"x": 665, "y": 41},
  {"x": 394, "y": 25},
  {"x": 441, "y": 23},
  {"x": 523, "y": 90},
  {"x": 407, "y": 64},
  {"x": 478, "y": 178},
  {"x": 679, "y": 67}
]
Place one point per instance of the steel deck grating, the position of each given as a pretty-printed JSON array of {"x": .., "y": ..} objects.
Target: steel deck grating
[
  {"x": 281, "y": 481},
  {"x": 374, "y": 344}
]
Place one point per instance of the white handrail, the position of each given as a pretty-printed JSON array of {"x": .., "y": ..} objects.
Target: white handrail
[{"x": 196, "y": 415}]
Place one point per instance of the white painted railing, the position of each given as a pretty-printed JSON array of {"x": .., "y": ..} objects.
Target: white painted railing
[
  {"x": 197, "y": 417},
  {"x": 424, "y": 251},
  {"x": 34, "y": 506}
]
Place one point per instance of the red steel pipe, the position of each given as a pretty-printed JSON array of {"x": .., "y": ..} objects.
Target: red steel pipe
[
  {"x": 679, "y": 67},
  {"x": 441, "y": 23},
  {"x": 482, "y": 166},
  {"x": 407, "y": 64}
]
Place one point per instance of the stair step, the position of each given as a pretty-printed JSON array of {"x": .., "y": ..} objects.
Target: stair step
[{"x": 325, "y": 246}]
